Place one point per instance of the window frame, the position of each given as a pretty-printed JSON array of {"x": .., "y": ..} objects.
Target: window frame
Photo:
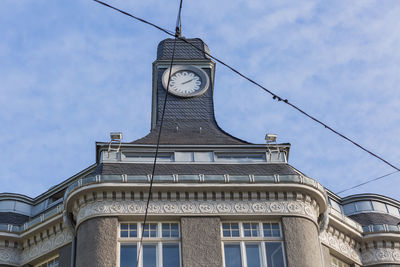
[
  {"x": 260, "y": 240},
  {"x": 159, "y": 240},
  {"x": 338, "y": 263},
  {"x": 46, "y": 261}
]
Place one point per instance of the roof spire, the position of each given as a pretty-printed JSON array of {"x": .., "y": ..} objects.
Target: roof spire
[{"x": 178, "y": 28}]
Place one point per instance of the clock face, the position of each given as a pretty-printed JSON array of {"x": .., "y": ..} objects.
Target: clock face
[{"x": 186, "y": 81}]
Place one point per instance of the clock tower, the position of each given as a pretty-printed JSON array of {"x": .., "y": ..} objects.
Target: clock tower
[{"x": 189, "y": 112}]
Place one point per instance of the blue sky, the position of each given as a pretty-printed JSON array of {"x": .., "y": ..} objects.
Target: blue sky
[{"x": 73, "y": 71}]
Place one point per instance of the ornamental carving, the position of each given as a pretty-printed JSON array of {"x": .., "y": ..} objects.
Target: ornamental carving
[
  {"x": 373, "y": 256},
  {"x": 9, "y": 256},
  {"x": 332, "y": 240},
  {"x": 42, "y": 247},
  {"x": 129, "y": 207}
]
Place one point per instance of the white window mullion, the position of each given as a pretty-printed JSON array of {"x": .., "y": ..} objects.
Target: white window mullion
[
  {"x": 139, "y": 247},
  {"x": 241, "y": 232},
  {"x": 139, "y": 227},
  {"x": 159, "y": 254},
  {"x": 243, "y": 253},
  {"x": 263, "y": 254}
]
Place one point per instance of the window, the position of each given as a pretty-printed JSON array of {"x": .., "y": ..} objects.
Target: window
[
  {"x": 53, "y": 262},
  {"x": 253, "y": 244},
  {"x": 160, "y": 246},
  {"x": 240, "y": 157},
  {"x": 338, "y": 263}
]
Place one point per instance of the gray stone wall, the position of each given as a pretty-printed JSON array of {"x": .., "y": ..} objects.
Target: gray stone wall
[
  {"x": 301, "y": 242},
  {"x": 97, "y": 243},
  {"x": 201, "y": 242},
  {"x": 65, "y": 256}
]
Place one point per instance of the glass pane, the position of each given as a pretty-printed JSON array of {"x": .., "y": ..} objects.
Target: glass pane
[
  {"x": 274, "y": 254},
  {"x": 267, "y": 229},
  {"x": 171, "y": 255},
  {"x": 276, "y": 231},
  {"x": 349, "y": 208},
  {"x": 124, "y": 226},
  {"x": 150, "y": 230},
  {"x": 230, "y": 229},
  {"x": 271, "y": 229},
  {"x": 250, "y": 229},
  {"x": 124, "y": 233},
  {"x": 232, "y": 255},
  {"x": 166, "y": 230},
  {"x": 363, "y": 205},
  {"x": 393, "y": 210},
  {"x": 253, "y": 255},
  {"x": 128, "y": 256},
  {"x": 170, "y": 230},
  {"x": 379, "y": 206},
  {"x": 133, "y": 230},
  {"x": 174, "y": 230},
  {"x": 149, "y": 256}
]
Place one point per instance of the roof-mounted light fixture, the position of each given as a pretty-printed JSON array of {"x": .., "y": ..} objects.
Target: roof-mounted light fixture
[
  {"x": 116, "y": 138},
  {"x": 270, "y": 138}
]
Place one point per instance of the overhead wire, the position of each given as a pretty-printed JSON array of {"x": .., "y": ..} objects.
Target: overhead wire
[
  {"x": 366, "y": 182},
  {"x": 155, "y": 157},
  {"x": 274, "y": 96},
  {"x": 177, "y": 33}
]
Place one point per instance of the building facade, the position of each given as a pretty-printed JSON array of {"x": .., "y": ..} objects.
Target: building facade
[{"x": 216, "y": 200}]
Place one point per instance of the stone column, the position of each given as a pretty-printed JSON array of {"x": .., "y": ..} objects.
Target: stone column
[
  {"x": 97, "y": 243},
  {"x": 201, "y": 242},
  {"x": 301, "y": 242}
]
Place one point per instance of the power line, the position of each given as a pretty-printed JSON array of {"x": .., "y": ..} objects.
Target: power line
[
  {"x": 155, "y": 155},
  {"x": 367, "y": 182},
  {"x": 177, "y": 33},
  {"x": 274, "y": 96}
]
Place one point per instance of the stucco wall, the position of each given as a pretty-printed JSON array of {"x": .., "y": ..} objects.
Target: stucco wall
[
  {"x": 97, "y": 243},
  {"x": 301, "y": 242},
  {"x": 201, "y": 242}
]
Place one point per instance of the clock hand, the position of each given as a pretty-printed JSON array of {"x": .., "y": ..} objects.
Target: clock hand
[{"x": 187, "y": 81}]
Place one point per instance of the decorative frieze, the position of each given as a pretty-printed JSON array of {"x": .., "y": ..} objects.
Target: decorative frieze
[
  {"x": 9, "y": 256},
  {"x": 381, "y": 253},
  {"x": 187, "y": 207},
  {"x": 46, "y": 245},
  {"x": 342, "y": 243}
]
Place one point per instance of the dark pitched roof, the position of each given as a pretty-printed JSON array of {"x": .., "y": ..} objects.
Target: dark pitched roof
[
  {"x": 183, "y": 50},
  {"x": 374, "y": 218},
  {"x": 195, "y": 169},
  {"x": 13, "y": 218},
  {"x": 196, "y": 132}
]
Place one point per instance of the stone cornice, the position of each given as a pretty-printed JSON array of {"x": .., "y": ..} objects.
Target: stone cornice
[
  {"x": 46, "y": 245},
  {"x": 380, "y": 252},
  {"x": 166, "y": 191},
  {"x": 342, "y": 243},
  {"x": 302, "y": 208},
  {"x": 36, "y": 245}
]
